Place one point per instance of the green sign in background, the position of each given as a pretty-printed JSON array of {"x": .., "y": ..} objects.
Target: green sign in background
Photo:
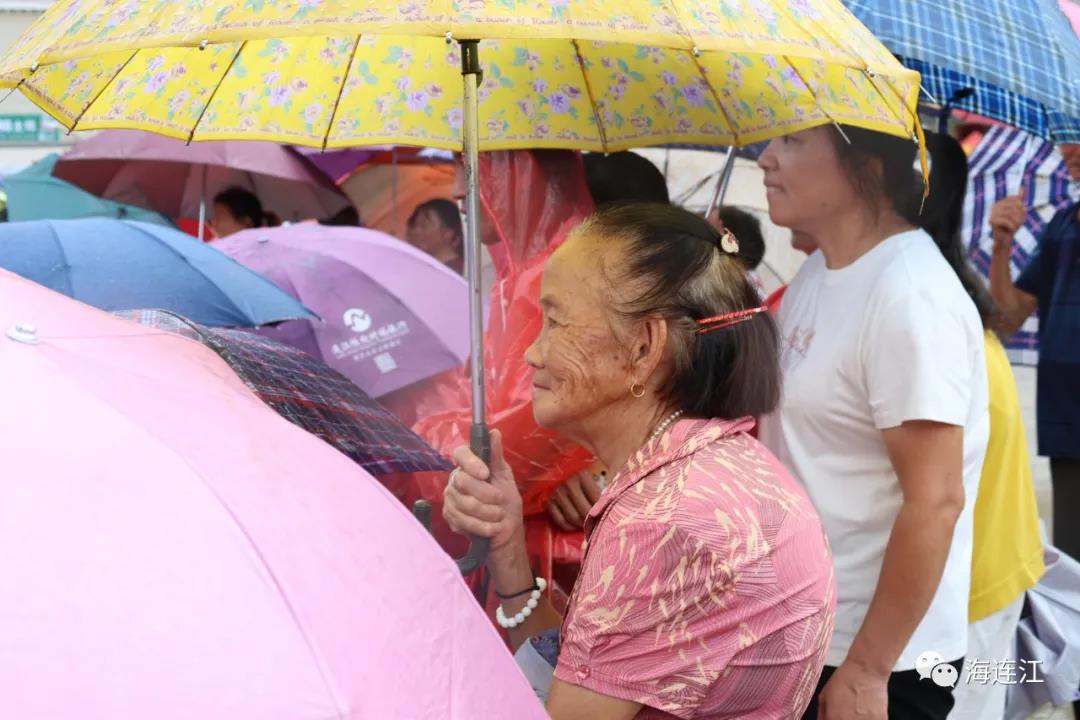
[{"x": 27, "y": 129}]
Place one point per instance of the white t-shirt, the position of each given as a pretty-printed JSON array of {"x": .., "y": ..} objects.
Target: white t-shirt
[{"x": 890, "y": 338}]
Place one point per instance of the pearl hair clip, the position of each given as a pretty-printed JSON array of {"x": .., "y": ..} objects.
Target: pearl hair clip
[{"x": 729, "y": 243}]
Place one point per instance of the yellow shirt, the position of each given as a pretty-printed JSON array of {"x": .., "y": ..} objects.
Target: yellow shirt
[{"x": 1007, "y": 557}]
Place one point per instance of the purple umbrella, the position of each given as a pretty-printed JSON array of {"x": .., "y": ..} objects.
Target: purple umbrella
[
  {"x": 391, "y": 314},
  {"x": 176, "y": 179}
]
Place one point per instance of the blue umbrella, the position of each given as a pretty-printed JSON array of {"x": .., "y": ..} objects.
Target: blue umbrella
[
  {"x": 34, "y": 194},
  {"x": 1013, "y": 61},
  {"x": 127, "y": 265}
]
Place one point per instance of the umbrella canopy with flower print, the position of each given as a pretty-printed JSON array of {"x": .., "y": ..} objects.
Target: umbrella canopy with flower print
[
  {"x": 582, "y": 74},
  {"x": 600, "y": 75}
]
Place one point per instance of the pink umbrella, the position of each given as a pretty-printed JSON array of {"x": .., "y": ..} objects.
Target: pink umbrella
[
  {"x": 176, "y": 179},
  {"x": 171, "y": 548},
  {"x": 391, "y": 315}
]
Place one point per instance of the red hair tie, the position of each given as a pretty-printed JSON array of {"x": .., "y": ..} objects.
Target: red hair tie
[{"x": 719, "y": 322}]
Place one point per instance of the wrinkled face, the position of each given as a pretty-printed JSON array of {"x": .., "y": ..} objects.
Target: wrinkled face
[
  {"x": 804, "y": 182},
  {"x": 426, "y": 232},
  {"x": 581, "y": 367},
  {"x": 225, "y": 223},
  {"x": 1071, "y": 153}
]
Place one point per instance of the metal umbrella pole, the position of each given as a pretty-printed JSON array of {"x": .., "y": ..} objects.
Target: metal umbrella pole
[
  {"x": 479, "y": 434},
  {"x": 202, "y": 207},
  {"x": 722, "y": 183}
]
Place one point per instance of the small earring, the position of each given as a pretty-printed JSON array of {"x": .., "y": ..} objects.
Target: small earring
[{"x": 637, "y": 393}]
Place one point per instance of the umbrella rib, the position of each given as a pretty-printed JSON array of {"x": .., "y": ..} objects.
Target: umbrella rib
[
  {"x": 872, "y": 77},
  {"x": 716, "y": 98},
  {"x": 341, "y": 93},
  {"x": 675, "y": 13},
  {"x": 813, "y": 94},
  {"x": 63, "y": 255},
  {"x": 696, "y": 55},
  {"x": 862, "y": 65},
  {"x": 104, "y": 87},
  {"x": 592, "y": 97},
  {"x": 12, "y": 91},
  {"x": 213, "y": 93},
  {"x": 187, "y": 261}
]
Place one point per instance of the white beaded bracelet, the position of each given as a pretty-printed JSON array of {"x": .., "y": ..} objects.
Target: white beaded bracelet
[{"x": 530, "y": 605}]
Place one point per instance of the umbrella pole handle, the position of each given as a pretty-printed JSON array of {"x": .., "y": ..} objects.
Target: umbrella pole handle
[
  {"x": 474, "y": 558},
  {"x": 479, "y": 434}
]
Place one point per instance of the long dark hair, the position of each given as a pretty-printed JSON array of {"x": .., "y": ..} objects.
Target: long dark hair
[
  {"x": 673, "y": 266},
  {"x": 943, "y": 217},
  {"x": 858, "y": 149}
]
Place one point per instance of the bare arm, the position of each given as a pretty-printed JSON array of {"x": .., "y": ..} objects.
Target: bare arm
[
  {"x": 571, "y": 702},
  {"x": 510, "y": 572},
  {"x": 928, "y": 458},
  {"x": 485, "y": 501},
  {"x": 1014, "y": 304},
  {"x": 1006, "y": 218}
]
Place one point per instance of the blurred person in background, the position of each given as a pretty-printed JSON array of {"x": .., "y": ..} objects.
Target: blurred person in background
[
  {"x": 884, "y": 416},
  {"x": 624, "y": 177},
  {"x": 435, "y": 227},
  {"x": 237, "y": 209},
  {"x": 347, "y": 217},
  {"x": 1049, "y": 283}
]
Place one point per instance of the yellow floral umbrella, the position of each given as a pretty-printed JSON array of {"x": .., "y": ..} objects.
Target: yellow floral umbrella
[{"x": 582, "y": 74}]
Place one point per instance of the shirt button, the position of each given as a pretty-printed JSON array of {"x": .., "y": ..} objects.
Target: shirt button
[{"x": 583, "y": 672}]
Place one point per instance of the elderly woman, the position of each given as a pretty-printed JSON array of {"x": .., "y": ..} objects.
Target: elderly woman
[{"x": 706, "y": 589}]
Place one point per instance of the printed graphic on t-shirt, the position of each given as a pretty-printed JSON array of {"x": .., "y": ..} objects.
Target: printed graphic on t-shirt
[{"x": 796, "y": 344}]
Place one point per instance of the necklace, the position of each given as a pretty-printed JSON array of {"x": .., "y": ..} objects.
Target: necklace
[{"x": 664, "y": 425}]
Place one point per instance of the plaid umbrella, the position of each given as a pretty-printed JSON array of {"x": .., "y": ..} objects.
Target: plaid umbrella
[
  {"x": 1005, "y": 161},
  {"x": 310, "y": 394},
  {"x": 1019, "y": 57}
]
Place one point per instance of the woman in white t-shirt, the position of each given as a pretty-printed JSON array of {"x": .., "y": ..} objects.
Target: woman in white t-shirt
[{"x": 884, "y": 418}]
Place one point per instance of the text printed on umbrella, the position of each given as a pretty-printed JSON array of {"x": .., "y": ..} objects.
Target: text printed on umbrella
[{"x": 370, "y": 343}]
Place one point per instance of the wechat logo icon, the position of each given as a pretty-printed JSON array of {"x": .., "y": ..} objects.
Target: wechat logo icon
[{"x": 932, "y": 666}]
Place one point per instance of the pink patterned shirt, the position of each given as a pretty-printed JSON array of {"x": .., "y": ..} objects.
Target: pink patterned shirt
[{"x": 707, "y": 588}]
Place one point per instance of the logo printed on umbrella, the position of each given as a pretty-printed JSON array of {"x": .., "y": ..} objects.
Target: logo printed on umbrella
[{"x": 357, "y": 320}]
